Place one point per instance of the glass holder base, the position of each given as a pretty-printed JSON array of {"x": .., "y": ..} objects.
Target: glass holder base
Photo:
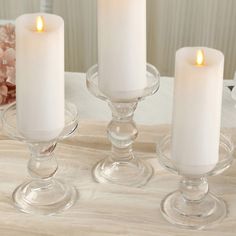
[
  {"x": 134, "y": 173},
  {"x": 46, "y": 199},
  {"x": 193, "y": 215}
]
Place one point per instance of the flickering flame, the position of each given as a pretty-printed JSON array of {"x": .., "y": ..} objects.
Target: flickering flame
[
  {"x": 200, "y": 58},
  {"x": 40, "y": 24}
]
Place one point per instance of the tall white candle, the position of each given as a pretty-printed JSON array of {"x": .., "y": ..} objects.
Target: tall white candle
[
  {"x": 197, "y": 109},
  {"x": 122, "y": 47},
  {"x": 40, "y": 75}
]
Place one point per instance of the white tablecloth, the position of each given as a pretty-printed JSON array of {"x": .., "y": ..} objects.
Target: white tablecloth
[{"x": 156, "y": 109}]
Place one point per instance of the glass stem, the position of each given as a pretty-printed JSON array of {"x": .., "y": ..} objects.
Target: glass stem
[
  {"x": 43, "y": 165},
  {"x": 194, "y": 190},
  {"x": 122, "y": 131}
]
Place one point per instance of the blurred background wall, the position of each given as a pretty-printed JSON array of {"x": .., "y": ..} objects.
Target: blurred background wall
[{"x": 171, "y": 24}]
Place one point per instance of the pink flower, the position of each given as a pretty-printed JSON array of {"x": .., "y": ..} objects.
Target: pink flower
[
  {"x": 7, "y": 63},
  {"x": 3, "y": 93},
  {"x": 9, "y": 57},
  {"x": 3, "y": 74},
  {"x": 3, "y": 34},
  {"x": 10, "y": 29},
  {"x": 11, "y": 74},
  {"x": 1, "y": 52}
]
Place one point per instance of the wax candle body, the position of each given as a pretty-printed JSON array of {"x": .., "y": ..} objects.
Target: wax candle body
[
  {"x": 197, "y": 110},
  {"x": 40, "y": 76},
  {"x": 122, "y": 47}
]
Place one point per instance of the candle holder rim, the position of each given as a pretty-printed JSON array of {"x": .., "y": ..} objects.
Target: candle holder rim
[
  {"x": 10, "y": 127},
  {"x": 151, "y": 88},
  {"x": 223, "y": 164}
]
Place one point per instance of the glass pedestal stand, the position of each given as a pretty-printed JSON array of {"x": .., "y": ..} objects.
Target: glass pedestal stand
[
  {"x": 193, "y": 206},
  {"x": 43, "y": 194},
  {"x": 122, "y": 166}
]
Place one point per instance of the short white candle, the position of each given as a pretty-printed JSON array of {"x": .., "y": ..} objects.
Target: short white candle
[
  {"x": 197, "y": 109},
  {"x": 122, "y": 48},
  {"x": 40, "y": 75}
]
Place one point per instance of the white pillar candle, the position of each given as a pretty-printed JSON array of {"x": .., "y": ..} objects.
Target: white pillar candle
[
  {"x": 40, "y": 75},
  {"x": 197, "y": 109},
  {"x": 122, "y": 48}
]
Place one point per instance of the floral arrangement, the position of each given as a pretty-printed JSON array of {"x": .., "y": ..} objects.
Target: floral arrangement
[{"x": 7, "y": 64}]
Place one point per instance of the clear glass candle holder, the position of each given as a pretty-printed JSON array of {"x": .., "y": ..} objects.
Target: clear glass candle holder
[
  {"x": 193, "y": 206},
  {"x": 122, "y": 166},
  {"x": 42, "y": 194}
]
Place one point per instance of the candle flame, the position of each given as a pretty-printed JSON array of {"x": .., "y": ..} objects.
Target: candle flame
[
  {"x": 200, "y": 58},
  {"x": 40, "y": 24}
]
